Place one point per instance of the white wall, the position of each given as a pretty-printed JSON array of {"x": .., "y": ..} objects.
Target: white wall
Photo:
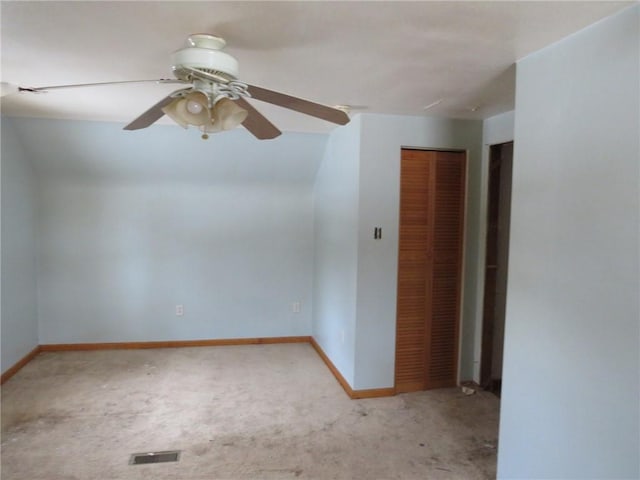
[
  {"x": 570, "y": 396},
  {"x": 134, "y": 223},
  {"x": 19, "y": 324},
  {"x": 336, "y": 248},
  {"x": 495, "y": 130}
]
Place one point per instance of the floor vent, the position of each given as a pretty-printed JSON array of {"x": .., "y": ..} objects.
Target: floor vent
[{"x": 154, "y": 457}]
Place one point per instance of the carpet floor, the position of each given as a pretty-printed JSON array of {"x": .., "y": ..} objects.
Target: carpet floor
[{"x": 242, "y": 412}]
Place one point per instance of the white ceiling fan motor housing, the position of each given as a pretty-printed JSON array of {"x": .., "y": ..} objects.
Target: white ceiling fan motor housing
[{"x": 204, "y": 52}]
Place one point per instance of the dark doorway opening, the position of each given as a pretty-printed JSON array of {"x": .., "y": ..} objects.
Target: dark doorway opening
[{"x": 496, "y": 265}]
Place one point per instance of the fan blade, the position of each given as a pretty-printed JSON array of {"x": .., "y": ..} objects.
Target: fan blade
[
  {"x": 299, "y": 105},
  {"x": 256, "y": 123},
  {"x": 154, "y": 113},
  {"x": 99, "y": 84}
]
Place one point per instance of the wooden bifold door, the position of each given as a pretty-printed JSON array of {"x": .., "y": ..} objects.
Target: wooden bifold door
[{"x": 432, "y": 193}]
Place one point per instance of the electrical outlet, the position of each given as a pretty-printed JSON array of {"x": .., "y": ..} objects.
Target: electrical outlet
[
  {"x": 179, "y": 310},
  {"x": 295, "y": 307}
]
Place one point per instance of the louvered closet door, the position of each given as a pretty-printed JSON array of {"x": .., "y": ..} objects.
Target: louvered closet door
[
  {"x": 414, "y": 282},
  {"x": 429, "y": 269}
]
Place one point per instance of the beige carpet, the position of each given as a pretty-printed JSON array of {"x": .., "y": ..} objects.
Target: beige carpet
[{"x": 242, "y": 412}]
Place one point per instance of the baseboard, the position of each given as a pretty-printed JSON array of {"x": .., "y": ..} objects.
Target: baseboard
[
  {"x": 354, "y": 394},
  {"x": 373, "y": 393},
  {"x": 19, "y": 364},
  {"x": 66, "y": 347},
  {"x": 336, "y": 373}
]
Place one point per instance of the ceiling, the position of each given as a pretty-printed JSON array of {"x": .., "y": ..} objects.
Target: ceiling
[{"x": 390, "y": 57}]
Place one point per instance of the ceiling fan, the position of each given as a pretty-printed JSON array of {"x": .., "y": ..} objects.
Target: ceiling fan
[{"x": 214, "y": 100}]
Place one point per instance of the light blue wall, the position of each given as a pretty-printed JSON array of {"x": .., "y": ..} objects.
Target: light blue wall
[
  {"x": 570, "y": 396},
  {"x": 134, "y": 223},
  {"x": 19, "y": 325},
  {"x": 336, "y": 248},
  {"x": 383, "y": 136},
  {"x": 358, "y": 189},
  {"x": 495, "y": 130}
]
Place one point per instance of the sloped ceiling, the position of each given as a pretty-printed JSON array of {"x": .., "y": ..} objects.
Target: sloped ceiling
[{"x": 391, "y": 57}]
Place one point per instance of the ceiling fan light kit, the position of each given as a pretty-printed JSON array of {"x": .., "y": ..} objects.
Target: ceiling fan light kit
[
  {"x": 214, "y": 100},
  {"x": 198, "y": 109}
]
